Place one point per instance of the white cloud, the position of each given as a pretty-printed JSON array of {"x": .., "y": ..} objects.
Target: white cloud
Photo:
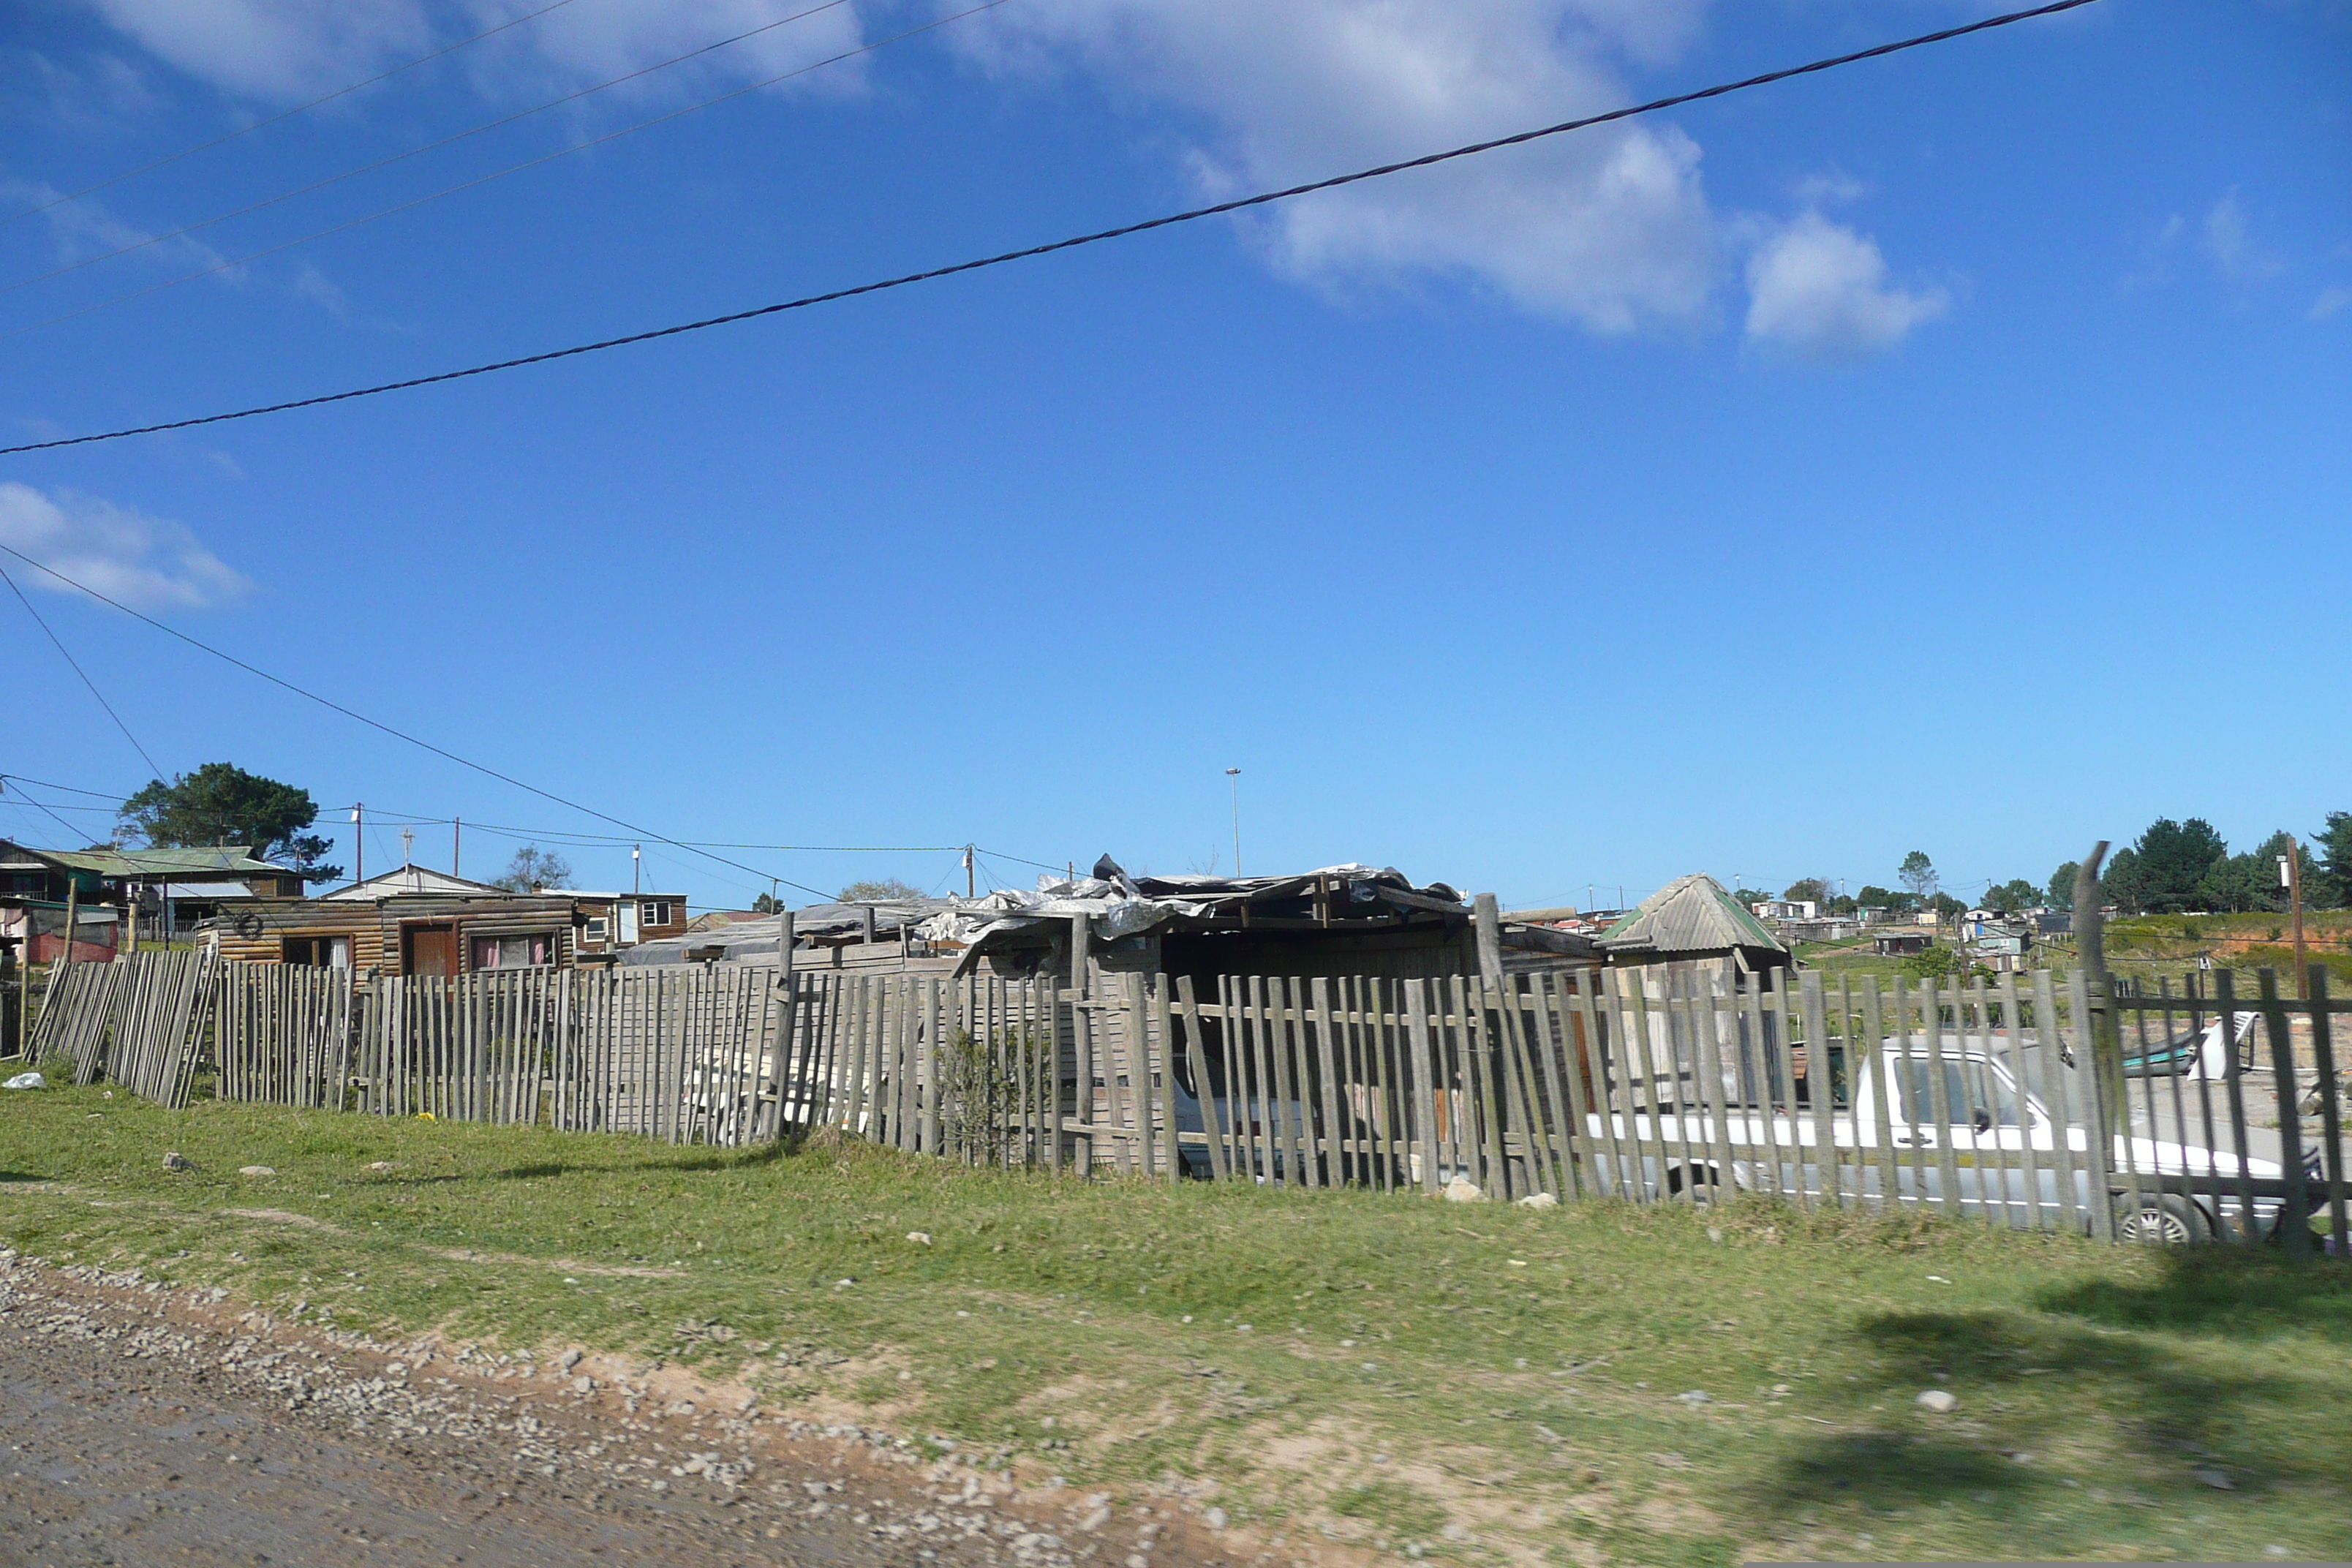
[
  {"x": 2330, "y": 300},
  {"x": 142, "y": 561},
  {"x": 1819, "y": 289},
  {"x": 2223, "y": 239},
  {"x": 280, "y": 51},
  {"x": 1608, "y": 228}
]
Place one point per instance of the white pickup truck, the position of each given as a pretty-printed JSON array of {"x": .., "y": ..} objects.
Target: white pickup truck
[{"x": 1936, "y": 1139}]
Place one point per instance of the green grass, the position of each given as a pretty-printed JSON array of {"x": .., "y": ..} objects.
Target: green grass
[{"x": 1522, "y": 1366}]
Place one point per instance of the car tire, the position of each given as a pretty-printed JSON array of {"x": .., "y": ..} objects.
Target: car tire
[
  {"x": 2167, "y": 1218},
  {"x": 1705, "y": 1184}
]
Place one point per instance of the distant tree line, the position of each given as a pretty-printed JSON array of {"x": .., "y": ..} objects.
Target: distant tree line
[
  {"x": 2174, "y": 868},
  {"x": 2177, "y": 867}
]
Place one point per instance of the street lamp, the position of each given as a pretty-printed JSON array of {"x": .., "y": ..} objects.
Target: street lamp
[{"x": 1234, "y": 775}]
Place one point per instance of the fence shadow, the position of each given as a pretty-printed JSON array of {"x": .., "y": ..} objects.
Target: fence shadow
[
  {"x": 2184, "y": 1407},
  {"x": 2238, "y": 1292},
  {"x": 686, "y": 1159}
]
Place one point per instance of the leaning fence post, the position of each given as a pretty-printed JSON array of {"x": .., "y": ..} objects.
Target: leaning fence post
[
  {"x": 2331, "y": 1113},
  {"x": 2103, "y": 1038},
  {"x": 2294, "y": 1206}
]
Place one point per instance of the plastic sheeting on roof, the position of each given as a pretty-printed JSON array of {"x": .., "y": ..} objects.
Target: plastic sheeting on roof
[{"x": 1116, "y": 905}]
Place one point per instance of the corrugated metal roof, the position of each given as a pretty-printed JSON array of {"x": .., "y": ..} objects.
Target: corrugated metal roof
[
  {"x": 236, "y": 859},
  {"x": 411, "y": 880},
  {"x": 1690, "y": 914}
]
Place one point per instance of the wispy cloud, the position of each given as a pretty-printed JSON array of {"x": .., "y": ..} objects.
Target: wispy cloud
[
  {"x": 2331, "y": 300},
  {"x": 1820, "y": 290},
  {"x": 2223, "y": 238},
  {"x": 274, "y": 51},
  {"x": 1611, "y": 230},
  {"x": 146, "y": 561}
]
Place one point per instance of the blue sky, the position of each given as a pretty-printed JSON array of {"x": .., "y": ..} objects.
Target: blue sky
[{"x": 1949, "y": 452}]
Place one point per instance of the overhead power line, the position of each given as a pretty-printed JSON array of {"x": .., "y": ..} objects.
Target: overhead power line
[
  {"x": 378, "y": 724},
  {"x": 78, "y": 670},
  {"x": 438, "y": 142},
  {"x": 1074, "y": 242},
  {"x": 113, "y": 180}
]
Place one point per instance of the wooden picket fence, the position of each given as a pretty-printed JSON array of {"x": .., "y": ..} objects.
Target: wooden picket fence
[
  {"x": 138, "y": 1021},
  {"x": 2009, "y": 1101}
]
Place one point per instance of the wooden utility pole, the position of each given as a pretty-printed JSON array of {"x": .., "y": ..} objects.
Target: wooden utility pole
[
  {"x": 456, "y": 844},
  {"x": 359, "y": 842},
  {"x": 2291, "y": 873},
  {"x": 971, "y": 888}
]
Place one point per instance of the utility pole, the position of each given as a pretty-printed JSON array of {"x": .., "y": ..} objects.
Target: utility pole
[
  {"x": 456, "y": 844},
  {"x": 2290, "y": 878},
  {"x": 1234, "y": 776},
  {"x": 359, "y": 843},
  {"x": 969, "y": 885},
  {"x": 408, "y": 847},
  {"x": 636, "y": 868}
]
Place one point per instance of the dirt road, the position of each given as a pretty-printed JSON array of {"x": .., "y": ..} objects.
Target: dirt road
[{"x": 143, "y": 1426}]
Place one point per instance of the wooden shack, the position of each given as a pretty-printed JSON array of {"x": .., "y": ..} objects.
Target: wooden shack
[{"x": 406, "y": 934}]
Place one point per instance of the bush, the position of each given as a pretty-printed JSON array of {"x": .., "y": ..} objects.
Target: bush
[{"x": 1931, "y": 963}]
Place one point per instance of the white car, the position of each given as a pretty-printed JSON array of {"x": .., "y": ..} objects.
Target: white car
[{"x": 1983, "y": 1111}]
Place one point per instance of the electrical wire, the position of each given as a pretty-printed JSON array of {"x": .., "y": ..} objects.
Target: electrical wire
[
  {"x": 435, "y": 145},
  {"x": 1237, "y": 205},
  {"x": 71, "y": 833},
  {"x": 78, "y": 670},
  {"x": 441, "y": 752},
  {"x": 93, "y": 794},
  {"x": 282, "y": 115},
  {"x": 494, "y": 174}
]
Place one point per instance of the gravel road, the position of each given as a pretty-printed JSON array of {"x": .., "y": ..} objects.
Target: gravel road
[{"x": 153, "y": 1425}]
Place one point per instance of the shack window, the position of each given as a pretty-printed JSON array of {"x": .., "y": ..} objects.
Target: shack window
[
  {"x": 317, "y": 951},
  {"x": 657, "y": 913},
  {"x": 512, "y": 951},
  {"x": 596, "y": 930}
]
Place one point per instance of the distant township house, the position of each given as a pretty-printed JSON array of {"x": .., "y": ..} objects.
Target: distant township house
[
  {"x": 103, "y": 885},
  {"x": 1786, "y": 909},
  {"x": 415, "y": 920}
]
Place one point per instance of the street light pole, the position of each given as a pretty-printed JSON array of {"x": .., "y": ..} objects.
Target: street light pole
[{"x": 1234, "y": 776}]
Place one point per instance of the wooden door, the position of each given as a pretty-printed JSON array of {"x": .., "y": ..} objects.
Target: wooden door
[{"x": 428, "y": 950}]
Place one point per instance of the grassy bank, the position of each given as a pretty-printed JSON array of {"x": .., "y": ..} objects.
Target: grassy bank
[{"x": 1474, "y": 1381}]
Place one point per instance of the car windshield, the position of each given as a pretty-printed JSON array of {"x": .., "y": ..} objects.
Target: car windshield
[{"x": 1978, "y": 1096}]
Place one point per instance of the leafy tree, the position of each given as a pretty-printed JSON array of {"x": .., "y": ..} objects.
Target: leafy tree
[
  {"x": 1877, "y": 897},
  {"x": 1841, "y": 904},
  {"x": 1748, "y": 898},
  {"x": 1809, "y": 890},
  {"x": 534, "y": 868},
  {"x": 2062, "y": 886},
  {"x": 767, "y": 904},
  {"x": 889, "y": 889},
  {"x": 2172, "y": 860},
  {"x": 2332, "y": 849},
  {"x": 2121, "y": 883},
  {"x": 220, "y": 802},
  {"x": 2007, "y": 897},
  {"x": 1918, "y": 874},
  {"x": 1947, "y": 906}
]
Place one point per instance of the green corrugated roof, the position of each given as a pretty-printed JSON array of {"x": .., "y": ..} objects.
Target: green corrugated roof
[
  {"x": 1691, "y": 914},
  {"x": 236, "y": 859}
]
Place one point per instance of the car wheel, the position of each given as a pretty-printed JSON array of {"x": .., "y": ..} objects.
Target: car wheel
[
  {"x": 2167, "y": 1218},
  {"x": 1706, "y": 1185}
]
